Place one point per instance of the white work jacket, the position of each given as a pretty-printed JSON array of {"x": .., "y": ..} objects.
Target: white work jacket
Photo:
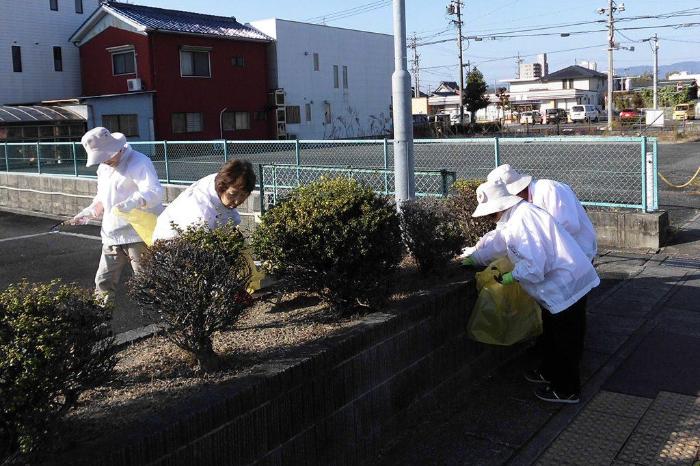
[
  {"x": 134, "y": 177},
  {"x": 548, "y": 262},
  {"x": 199, "y": 203},
  {"x": 559, "y": 200}
]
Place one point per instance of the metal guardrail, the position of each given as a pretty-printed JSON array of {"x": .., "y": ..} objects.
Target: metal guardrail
[{"x": 604, "y": 171}]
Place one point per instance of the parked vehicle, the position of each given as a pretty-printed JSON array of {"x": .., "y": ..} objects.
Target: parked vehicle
[
  {"x": 442, "y": 118},
  {"x": 454, "y": 118},
  {"x": 530, "y": 118},
  {"x": 556, "y": 115},
  {"x": 630, "y": 114},
  {"x": 684, "y": 111},
  {"x": 420, "y": 119},
  {"x": 584, "y": 113}
]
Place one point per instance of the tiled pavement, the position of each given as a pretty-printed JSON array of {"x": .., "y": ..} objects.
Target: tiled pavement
[{"x": 641, "y": 368}]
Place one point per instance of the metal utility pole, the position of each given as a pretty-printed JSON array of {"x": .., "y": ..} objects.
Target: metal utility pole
[
  {"x": 404, "y": 179},
  {"x": 655, "y": 50},
  {"x": 611, "y": 47},
  {"x": 455, "y": 8},
  {"x": 416, "y": 65}
]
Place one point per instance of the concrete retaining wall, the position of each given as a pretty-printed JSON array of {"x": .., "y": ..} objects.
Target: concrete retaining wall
[
  {"x": 630, "y": 230},
  {"x": 326, "y": 403}
]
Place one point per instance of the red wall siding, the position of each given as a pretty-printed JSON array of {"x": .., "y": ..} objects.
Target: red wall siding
[
  {"x": 96, "y": 62},
  {"x": 234, "y": 88}
]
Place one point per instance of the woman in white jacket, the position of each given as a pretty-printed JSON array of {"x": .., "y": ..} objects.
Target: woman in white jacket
[
  {"x": 126, "y": 180},
  {"x": 557, "y": 198},
  {"x": 552, "y": 268},
  {"x": 212, "y": 200}
]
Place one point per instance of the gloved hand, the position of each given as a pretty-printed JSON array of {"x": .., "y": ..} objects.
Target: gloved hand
[
  {"x": 82, "y": 217},
  {"x": 129, "y": 204},
  {"x": 506, "y": 279},
  {"x": 468, "y": 262}
]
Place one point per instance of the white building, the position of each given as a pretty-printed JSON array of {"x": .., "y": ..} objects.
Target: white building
[
  {"x": 562, "y": 89},
  {"x": 38, "y": 62},
  {"x": 336, "y": 82}
]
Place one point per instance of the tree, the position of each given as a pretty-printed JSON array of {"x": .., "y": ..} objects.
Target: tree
[
  {"x": 503, "y": 100},
  {"x": 474, "y": 96}
]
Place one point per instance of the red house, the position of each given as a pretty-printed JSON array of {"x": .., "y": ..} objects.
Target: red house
[{"x": 157, "y": 74}]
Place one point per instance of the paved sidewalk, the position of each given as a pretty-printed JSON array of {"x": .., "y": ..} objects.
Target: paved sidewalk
[{"x": 641, "y": 370}]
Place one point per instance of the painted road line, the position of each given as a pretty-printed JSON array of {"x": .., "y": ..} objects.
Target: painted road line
[
  {"x": 25, "y": 236},
  {"x": 80, "y": 235}
]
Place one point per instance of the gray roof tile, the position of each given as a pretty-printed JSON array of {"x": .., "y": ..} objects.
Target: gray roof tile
[{"x": 186, "y": 22}]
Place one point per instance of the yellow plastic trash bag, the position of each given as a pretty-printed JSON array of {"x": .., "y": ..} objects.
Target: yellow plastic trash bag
[
  {"x": 143, "y": 222},
  {"x": 503, "y": 314},
  {"x": 257, "y": 274}
]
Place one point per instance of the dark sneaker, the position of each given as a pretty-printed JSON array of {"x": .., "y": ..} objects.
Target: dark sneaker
[
  {"x": 554, "y": 396},
  {"x": 535, "y": 376}
]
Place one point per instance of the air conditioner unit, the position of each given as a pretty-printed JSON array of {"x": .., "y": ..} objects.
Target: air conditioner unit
[
  {"x": 133, "y": 84},
  {"x": 276, "y": 98},
  {"x": 281, "y": 130},
  {"x": 281, "y": 115}
]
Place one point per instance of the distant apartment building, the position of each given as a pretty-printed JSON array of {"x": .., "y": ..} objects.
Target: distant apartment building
[
  {"x": 160, "y": 74},
  {"x": 38, "y": 62},
  {"x": 328, "y": 82}
]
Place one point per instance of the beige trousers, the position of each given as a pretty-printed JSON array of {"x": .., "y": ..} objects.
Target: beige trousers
[{"x": 112, "y": 263}]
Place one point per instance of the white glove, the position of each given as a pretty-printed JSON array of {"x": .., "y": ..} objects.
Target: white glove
[
  {"x": 82, "y": 217},
  {"x": 130, "y": 204}
]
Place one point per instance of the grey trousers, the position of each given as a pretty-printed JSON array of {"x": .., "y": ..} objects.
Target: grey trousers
[{"x": 112, "y": 263}]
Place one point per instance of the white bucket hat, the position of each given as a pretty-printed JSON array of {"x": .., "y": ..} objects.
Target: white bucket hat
[
  {"x": 101, "y": 145},
  {"x": 493, "y": 196},
  {"x": 515, "y": 182}
]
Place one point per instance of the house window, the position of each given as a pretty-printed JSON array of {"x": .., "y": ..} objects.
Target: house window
[
  {"x": 79, "y": 6},
  {"x": 16, "y": 59},
  {"x": 53, "y": 4},
  {"x": 307, "y": 110},
  {"x": 345, "y": 77},
  {"x": 565, "y": 84},
  {"x": 235, "y": 121},
  {"x": 238, "y": 61},
  {"x": 335, "y": 76},
  {"x": 57, "y": 59},
  {"x": 187, "y": 122},
  {"x": 293, "y": 114},
  {"x": 260, "y": 116},
  {"x": 126, "y": 124},
  {"x": 327, "y": 117},
  {"x": 316, "y": 63},
  {"x": 194, "y": 63},
  {"x": 123, "y": 63}
]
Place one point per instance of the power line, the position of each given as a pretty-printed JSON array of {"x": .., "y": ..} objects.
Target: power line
[{"x": 349, "y": 12}]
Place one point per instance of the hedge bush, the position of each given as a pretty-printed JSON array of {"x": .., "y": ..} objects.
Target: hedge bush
[
  {"x": 55, "y": 341},
  {"x": 334, "y": 237},
  {"x": 432, "y": 232},
  {"x": 195, "y": 284},
  {"x": 463, "y": 203}
]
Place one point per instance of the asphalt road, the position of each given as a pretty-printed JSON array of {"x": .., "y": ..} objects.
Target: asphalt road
[{"x": 29, "y": 251}]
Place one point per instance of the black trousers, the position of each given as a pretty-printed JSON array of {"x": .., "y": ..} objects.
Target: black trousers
[{"x": 562, "y": 346}]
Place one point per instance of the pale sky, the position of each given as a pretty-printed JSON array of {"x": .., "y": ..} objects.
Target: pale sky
[{"x": 428, "y": 19}]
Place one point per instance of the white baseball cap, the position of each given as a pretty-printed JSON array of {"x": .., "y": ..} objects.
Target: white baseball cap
[
  {"x": 493, "y": 196},
  {"x": 101, "y": 145},
  {"x": 515, "y": 182}
]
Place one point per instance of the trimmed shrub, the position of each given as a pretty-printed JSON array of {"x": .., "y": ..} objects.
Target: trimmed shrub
[
  {"x": 55, "y": 341},
  {"x": 432, "y": 232},
  {"x": 195, "y": 284},
  {"x": 334, "y": 237},
  {"x": 462, "y": 203}
]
